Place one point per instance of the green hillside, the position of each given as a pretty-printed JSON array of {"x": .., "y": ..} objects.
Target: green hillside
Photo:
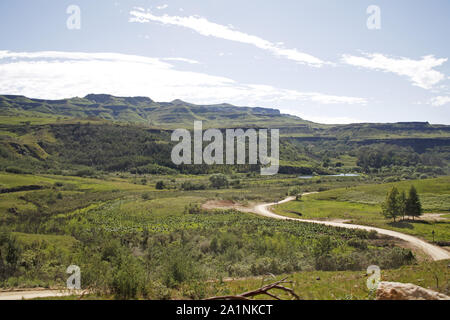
[
  {"x": 103, "y": 132},
  {"x": 142, "y": 110}
]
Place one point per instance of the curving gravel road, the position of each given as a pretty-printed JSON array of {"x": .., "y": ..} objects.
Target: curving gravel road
[{"x": 435, "y": 252}]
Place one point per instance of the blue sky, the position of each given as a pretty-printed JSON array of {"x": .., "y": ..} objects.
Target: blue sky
[{"x": 316, "y": 59}]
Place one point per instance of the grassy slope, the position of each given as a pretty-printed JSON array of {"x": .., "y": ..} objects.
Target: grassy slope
[
  {"x": 344, "y": 285},
  {"x": 347, "y": 284},
  {"x": 361, "y": 205}
]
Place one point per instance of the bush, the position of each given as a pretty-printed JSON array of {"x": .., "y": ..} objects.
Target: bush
[
  {"x": 160, "y": 185},
  {"x": 372, "y": 235},
  {"x": 293, "y": 191},
  {"x": 193, "y": 208},
  {"x": 322, "y": 246},
  {"x": 357, "y": 243},
  {"x": 188, "y": 185},
  {"x": 219, "y": 181},
  {"x": 128, "y": 280},
  {"x": 10, "y": 253},
  {"x": 146, "y": 196},
  {"x": 179, "y": 268}
]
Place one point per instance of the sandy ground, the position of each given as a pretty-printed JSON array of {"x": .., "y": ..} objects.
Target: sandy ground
[
  {"x": 36, "y": 293},
  {"x": 434, "y": 216}
]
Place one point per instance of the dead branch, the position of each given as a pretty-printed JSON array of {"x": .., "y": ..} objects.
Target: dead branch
[
  {"x": 263, "y": 290},
  {"x": 86, "y": 291}
]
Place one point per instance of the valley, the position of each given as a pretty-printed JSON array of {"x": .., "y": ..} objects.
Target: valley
[{"x": 90, "y": 182}]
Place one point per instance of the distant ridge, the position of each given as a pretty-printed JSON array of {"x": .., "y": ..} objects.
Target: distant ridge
[
  {"x": 179, "y": 113},
  {"x": 144, "y": 110}
]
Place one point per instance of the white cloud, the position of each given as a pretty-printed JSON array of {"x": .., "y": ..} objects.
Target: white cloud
[
  {"x": 55, "y": 75},
  {"x": 191, "y": 61},
  {"x": 207, "y": 28},
  {"x": 419, "y": 72},
  {"x": 440, "y": 101},
  {"x": 162, "y": 7}
]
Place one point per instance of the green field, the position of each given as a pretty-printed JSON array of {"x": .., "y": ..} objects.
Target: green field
[{"x": 362, "y": 205}]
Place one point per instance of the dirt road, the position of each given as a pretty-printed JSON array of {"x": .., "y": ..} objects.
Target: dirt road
[
  {"x": 435, "y": 252},
  {"x": 33, "y": 294}
]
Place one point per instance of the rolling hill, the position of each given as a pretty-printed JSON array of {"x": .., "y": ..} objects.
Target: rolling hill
[
  {"x": 104, "y": 132},
  {"x": 143, "y": 110}
]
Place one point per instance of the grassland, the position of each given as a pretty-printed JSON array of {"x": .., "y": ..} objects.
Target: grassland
[
  {"x": 345, "y": 285},
  {"x": 314, "y": 285},
  {"x": 117, "y": 227},
  {"x": 362, "y": 205}
]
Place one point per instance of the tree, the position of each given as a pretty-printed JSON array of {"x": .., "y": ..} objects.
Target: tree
[
  {"x": 218, "y": 181},
  {"x": 391, "y": 207},
  {"x": 402, "y": 204},
  {"x": 294, "y": 191},
  {"x": 10, "y": 253},
  {"x": 413, "y": 207}
]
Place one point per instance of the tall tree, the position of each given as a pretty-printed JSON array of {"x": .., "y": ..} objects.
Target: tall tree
[
  {"x": 402, "y": 204},
  {"x": 391, "y": 207},
  {"x": 413, "y": 206}
]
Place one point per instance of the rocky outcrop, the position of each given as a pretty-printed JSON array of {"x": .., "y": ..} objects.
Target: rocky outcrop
[{"x": 406, "y": 291}]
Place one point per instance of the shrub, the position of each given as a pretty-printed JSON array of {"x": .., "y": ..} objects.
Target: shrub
[
  {"x": 357, "y": 243},
  {"x": 219, "y": 181},
  {"x": 179, "y": 268},
  {"x": 193, "y": 208},
  {"x": 160, "y": 185},
  {"x": 127, "y": 280},
  {"x": 10, "y": 253},
  {"x": 146, "y": 196},
  {"x": 293, "y": 191},
  {"x": 188, "y": 185},
  {"x": 372, "y": 234}
]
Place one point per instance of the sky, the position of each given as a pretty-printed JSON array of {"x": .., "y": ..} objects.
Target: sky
[{"x": 334, "y": 61}]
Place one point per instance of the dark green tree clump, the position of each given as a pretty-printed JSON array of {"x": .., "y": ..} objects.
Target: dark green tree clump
[
  {"x": 219, "y": 181},
  {"x": 397, "y": 204},
  {"x": 160, "y": 185}
]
